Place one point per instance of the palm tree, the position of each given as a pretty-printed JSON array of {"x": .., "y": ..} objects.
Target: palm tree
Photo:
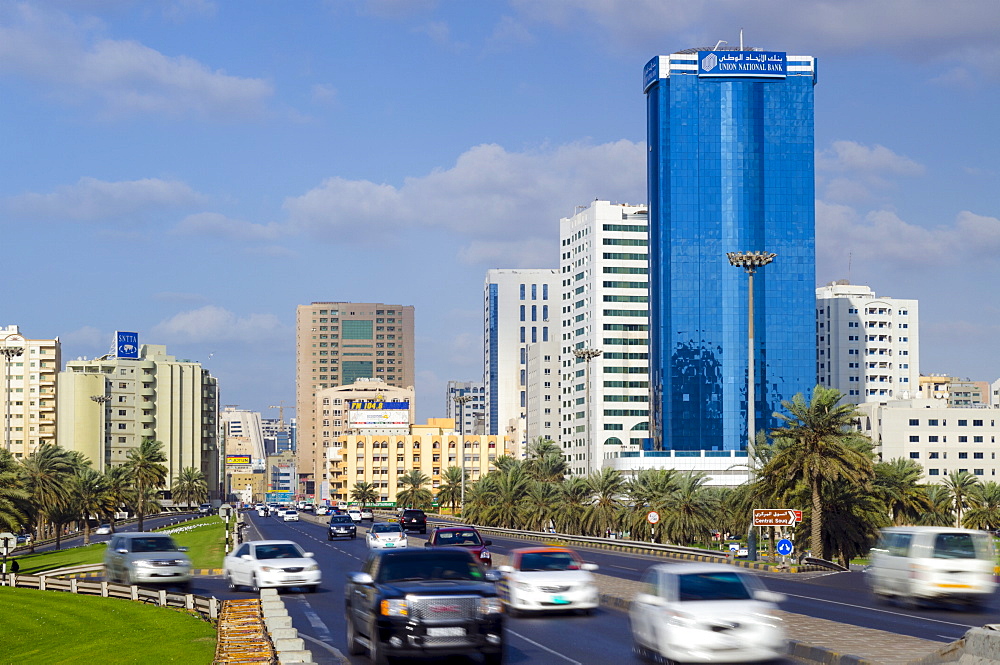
[
  {"x": 818, "y": 434},
  {"x": 45, "y": 475},
  {"x": 12, "y": 495},
  {"x": 414, "y": 494},
  {"x": 90, "y": 497},
  {"x": 478, "y": 499},
  {"x": 690, "y": 514},
  {"x": 941, "y": 512},
  {"x": 573, "y": 501},
  {"x": 604, "y": 514},
  {"x": 509, "y": 488},
  {"x": 984, "y": 510},
  {"x": 364, "y": 493},
  {"x": 545, "y": 461},
  {"x": 897, "y": 484},
  {"x": 190, "y": 487},
  {"x": 650, "y": 489},
  {"x": 119, "y": 483},
  {"x": 853, "y": 515},
  {"x": 539, "y": 505},
  {"x": 450, "y": 490},
  {"x": 148, "y": 472},
  {"x": 960, "y": 485}
]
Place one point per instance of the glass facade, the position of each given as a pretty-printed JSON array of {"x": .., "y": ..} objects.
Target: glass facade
[{"x": 730, "y": 169}]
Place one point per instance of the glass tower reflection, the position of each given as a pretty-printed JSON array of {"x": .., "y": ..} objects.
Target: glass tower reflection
[{"x": 730, "y": 135}]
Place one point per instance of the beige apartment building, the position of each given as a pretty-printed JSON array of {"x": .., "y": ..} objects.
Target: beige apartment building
[
  {"x": 336, "y": 343},
  {"x": 383, "y": 459},
  {"x": 108, "y": 405},
  {"x": 30, "y": 367}
]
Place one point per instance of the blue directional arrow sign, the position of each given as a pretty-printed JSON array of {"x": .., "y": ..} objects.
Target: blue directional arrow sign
[{"x": 785, "y": 547}]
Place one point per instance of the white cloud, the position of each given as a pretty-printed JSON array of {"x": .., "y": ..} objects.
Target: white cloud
[
  {"x": 220, "y": 226},
  {"x": 850, "y": 172},
  {"x": 87, "y": 337},
  {"x": 215, "y": 324},
  {"x": 489, "y": 195},
  {"x": 528, "y": 253},
  {"x": 91, "y": 199},
  {"x": 124, "y": 76}
]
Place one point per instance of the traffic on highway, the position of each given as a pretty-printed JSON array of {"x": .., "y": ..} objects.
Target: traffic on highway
[{"x": 574, "y": 636}]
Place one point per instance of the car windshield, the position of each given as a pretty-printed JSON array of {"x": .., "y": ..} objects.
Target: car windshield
[
  {"x": 278, "y": 551},
  {"x": 153, "y": 545},
  {"x": 535, "y": 561},
  {"x": 458, "y": 538},
  {"x": 712, "y": 586},
  {"x": 409, "y": 568},
  {"x": 386, "y": 528},
  {"x": 341, "y": 519}
]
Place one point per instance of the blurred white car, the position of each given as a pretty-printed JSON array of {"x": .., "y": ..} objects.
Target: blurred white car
[
  {"x": 355, "y": 514},
  {"x": 547, "y": 578},
  {"x": 386, "y": 536},
  {"x": 703, "y": 613},
  {"x": 271, "y": 563},
  {"x": 290, "y": 516},
  {"x": 322, "y": 510},
  {"x": 367, "y": 514},
  {"x": 103, "y": 529}
]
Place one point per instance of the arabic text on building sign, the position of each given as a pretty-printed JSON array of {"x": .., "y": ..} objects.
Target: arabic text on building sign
[{"x": 742, "y": 63}]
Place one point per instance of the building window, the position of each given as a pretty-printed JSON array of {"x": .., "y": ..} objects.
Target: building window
[
  {"x": 914, "y": 455},
  {"x": 914, "y": 438},
  {"x": 914, "y": 422}
]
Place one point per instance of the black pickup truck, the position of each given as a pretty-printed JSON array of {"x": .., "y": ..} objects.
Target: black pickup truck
[{"x": 435, "y": 602}]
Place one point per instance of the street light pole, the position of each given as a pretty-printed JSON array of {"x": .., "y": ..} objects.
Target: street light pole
[
  {"x": 587, "y": 355},
  {"x": 462, "y": 400},
  {"x": 750, "y": 262},
  {"x": 102, "y": 400},
  {"x": 9, "y": 352}
]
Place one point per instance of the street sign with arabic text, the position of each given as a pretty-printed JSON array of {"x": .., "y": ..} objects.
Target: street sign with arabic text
[{"x": 776, "y": 516}]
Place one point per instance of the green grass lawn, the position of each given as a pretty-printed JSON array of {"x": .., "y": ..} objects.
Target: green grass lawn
[
  {"x": 54, "y": 627},
  {"x": 206, "y": 548}
]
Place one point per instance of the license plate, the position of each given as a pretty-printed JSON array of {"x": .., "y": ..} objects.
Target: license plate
[
  {"x": 446, "y": 632},
  {"x": 390, "y": 544},
  {"x": 559, "y": 600}
]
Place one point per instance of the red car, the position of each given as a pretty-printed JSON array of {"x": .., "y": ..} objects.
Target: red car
[{"x": 465, "y": 537}]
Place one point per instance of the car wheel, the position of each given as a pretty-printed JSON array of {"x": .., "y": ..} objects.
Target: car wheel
[
  {"x": 314, "y": 588},
  {"x": 126, "y": 578},
  {"x": 494, "y": 657},
  {"x": 329, "y": 537},
  {"x": 423, "y": 530},
  {"x": 253, "y": 583},
  {"x": 587, "y": 611},
  {"x": 233, "y": 586},
  {"x": 376, "y": 653},
  {"x": 513, "y": 612},
  {"x": 353, "y": 647}
]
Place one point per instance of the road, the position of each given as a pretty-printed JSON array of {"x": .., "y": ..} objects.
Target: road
[
  {"x": 75, "y": 540},
  {"x": 566, "y": 639}
]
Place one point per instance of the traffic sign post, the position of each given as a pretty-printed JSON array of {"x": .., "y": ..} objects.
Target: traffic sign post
[
  {"x": 653, "y": 518},
  {"x": 785, "y": 547},
  {"x": 8, "y": 542},
  {"x": 776, "y": 516}
]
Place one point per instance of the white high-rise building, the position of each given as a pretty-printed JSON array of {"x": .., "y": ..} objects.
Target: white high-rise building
[
  {"x": 604, "y": 295},
  {"x": 868, "y": 347},
  {"x": 521, "y": 308},
  {"x": 28, "y": 391},
  {"x": 542, "y": 387},
  {"x": 468, "y": 415}
]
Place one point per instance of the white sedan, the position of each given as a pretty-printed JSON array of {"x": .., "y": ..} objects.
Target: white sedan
[
  {"x": 548, "y": 578},
  {"x": 271, "y": 563},
  {"x": 386, "y": 536},
  {"x": 290, "y": 516},
  {"x": 705, "y": 613}
]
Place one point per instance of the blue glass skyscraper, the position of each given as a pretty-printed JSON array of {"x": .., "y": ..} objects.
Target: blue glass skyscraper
[{"x": 730, "y": 135}]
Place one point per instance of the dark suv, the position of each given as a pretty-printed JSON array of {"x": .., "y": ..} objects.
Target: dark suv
[
  {"x": 413, "y": 520},
  {"x": 436, "y": 602},
  {"x": 341, "y": 526}
]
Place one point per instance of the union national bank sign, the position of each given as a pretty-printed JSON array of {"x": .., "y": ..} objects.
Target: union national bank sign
[{"x": 742, "y": 63}]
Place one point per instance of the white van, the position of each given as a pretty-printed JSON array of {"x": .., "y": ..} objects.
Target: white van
[{"x": 916, "y": 563}]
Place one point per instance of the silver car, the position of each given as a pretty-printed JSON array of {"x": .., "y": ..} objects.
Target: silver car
[{"x": 146, "y": 558}]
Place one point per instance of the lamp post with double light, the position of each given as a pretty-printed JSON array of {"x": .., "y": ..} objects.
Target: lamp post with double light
[
  {"x": 587, "y": 355},
  {"x": 751, "y": 262},
  {"x": 461, "y": 401},
  {"x": 13, "y": 346}
]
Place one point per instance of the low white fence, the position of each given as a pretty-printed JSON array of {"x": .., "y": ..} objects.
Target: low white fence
[{"x": 206, "y": 606}]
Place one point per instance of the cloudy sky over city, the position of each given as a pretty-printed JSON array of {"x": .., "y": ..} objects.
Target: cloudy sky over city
[{"x": 194, "y": 170}]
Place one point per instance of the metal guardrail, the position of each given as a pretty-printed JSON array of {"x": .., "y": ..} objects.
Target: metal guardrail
[{"x": 206, "y": 606}]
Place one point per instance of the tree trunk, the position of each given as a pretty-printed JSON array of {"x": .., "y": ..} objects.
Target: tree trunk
[{"x": 816, "y": 538}]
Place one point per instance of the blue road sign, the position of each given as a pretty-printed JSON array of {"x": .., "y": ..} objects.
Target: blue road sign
[{"x": 785, "y": 547}]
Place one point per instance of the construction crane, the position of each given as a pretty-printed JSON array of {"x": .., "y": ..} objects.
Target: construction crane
[{"x": 281, "y": 414}]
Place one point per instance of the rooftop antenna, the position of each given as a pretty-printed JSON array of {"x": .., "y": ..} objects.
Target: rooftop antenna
[
  {"x": 850, "y": 256},
  {"x": 741, "y": 39},
  {"x": 719, "y": 43}
]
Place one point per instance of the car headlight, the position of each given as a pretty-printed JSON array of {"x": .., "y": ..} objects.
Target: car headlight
[
  {"x": 394, "y": 607},
  {"x": 141, "y": 563},
  {"x": 523, "y": 586},
  {"x": 681, "y": 619},
  {"x": 485, "y": 554},
  {"x": 490, "y": 606},
  {"x": 268, "y": 569},
  {"x": 312, "y": 567}
]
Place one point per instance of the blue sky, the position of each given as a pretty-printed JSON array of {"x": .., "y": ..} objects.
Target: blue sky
[{"x": 194, "y": 170}]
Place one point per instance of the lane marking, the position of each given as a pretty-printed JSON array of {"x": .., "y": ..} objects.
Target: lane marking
[
  {"x": 877, "y": 609},
  {"x": 542, "y": 646},
  {"x": 623, "y": 567},
  {"x": 332, "y": 649}
]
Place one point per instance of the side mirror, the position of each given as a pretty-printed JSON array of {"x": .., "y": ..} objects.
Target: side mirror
[
  {"x": 360, "y": 578},
  {"x": 493, "y": 576},
  {"x": 247, "y": 557},
  {"x": 487, "y": 542},
  {"x": 308, "y": 555},
  {"x": 505, "y": 569},
  {"x": 650, "y": 599},
  {"x": 121, "y": 550},
  {"x": 589, "y": 567},
  {"x": 182, "y": 549}
]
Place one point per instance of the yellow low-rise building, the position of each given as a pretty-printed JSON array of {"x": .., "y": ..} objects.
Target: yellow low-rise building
[{"x": 382, "y": 459}]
